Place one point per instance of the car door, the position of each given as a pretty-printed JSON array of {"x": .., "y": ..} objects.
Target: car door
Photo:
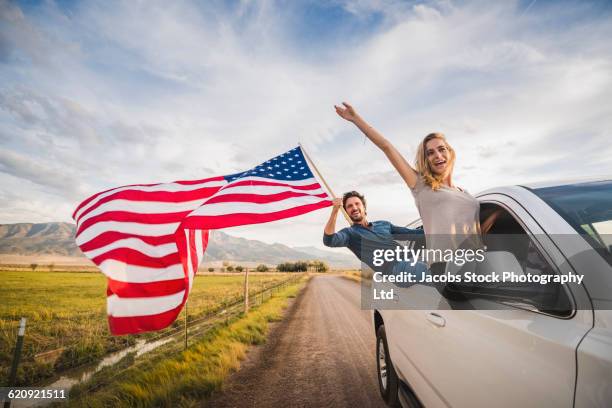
[
  {"x": 406, "y": 323},
  {"x": 499, "y": 355}
]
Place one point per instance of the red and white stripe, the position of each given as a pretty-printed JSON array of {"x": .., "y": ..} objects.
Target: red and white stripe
[
  {"x": 149, "y": 239},
  {"x": 252, "y": 200},
  {"x": 129, "y": 232}
]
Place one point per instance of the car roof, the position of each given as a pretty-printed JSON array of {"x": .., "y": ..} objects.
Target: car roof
[
  {"x": 564, "y": 182},
  {"x": 544, "y": 184}
]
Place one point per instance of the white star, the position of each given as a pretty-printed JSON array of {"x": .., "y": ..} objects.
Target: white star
[
  {"x": 299, "y": 162},
  {"x": 278, "y": 172},
  {"x": 304, "y": 174},
  {"x": 296, "y": 155},
  {"x": 295, "y": 172},
  {"x": 270, "y": 174},
  {"x": 276, "y": 165},
  {"x": 302, "y": 168},
  {"x": 284, "y": 162},
  {"x": 290, "y": 158},
  {"x": 288, "y": 176}
]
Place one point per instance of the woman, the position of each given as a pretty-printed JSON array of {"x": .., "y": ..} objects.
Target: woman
[{"x": 450, "y": 215}]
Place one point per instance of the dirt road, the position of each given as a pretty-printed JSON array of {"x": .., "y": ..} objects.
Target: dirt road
[{"x": 321, "y": 355}]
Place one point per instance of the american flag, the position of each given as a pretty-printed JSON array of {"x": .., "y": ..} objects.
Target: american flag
[{"x": 148, "y": 239}]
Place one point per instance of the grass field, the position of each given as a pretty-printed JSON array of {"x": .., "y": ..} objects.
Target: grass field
[
  {"x": 66, "y": 316},
  {"x": 352, "y": 275},
  {"x": 171, "y": 378}
]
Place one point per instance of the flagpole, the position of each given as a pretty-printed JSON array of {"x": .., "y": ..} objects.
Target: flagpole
[{"x": 314, "y": 166}]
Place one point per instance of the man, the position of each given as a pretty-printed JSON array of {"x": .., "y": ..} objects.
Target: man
[{"x": 363, "y": 237}]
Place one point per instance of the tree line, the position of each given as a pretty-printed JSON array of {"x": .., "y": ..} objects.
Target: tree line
[{"x": 299, "y": 266}]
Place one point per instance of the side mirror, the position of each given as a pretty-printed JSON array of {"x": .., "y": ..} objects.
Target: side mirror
[
  {"x": 494, "y": 261},
  {"x": 500, "y": 262},
  {"x": 542, "y": 296}
]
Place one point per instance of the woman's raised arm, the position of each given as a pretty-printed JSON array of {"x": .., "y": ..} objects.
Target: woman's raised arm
[{"x": 395, "y": 157}]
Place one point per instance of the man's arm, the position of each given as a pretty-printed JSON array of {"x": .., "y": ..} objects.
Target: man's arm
[
  {"x": 395, "y": 229},
  {"x": 330, "y": 227},
  {"x": 331, "y": 238}
]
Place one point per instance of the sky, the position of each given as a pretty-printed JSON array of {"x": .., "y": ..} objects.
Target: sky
[{"x": 95, "y": 95}]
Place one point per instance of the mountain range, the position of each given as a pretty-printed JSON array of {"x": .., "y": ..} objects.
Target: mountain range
[{"x": 57, "y": 238}]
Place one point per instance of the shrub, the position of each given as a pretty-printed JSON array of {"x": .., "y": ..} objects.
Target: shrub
[
  {"x": 321, "y": 267},
  {"x": 292, "y": 266}
]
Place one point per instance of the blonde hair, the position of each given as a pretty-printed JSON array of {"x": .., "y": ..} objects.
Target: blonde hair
[{"x": 422, "y": 164}]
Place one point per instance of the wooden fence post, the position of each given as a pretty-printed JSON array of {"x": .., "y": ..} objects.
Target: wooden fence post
[
  {"x": 16, "y": 357},
  {"x": 246, "y": 290},
  {"x": 186, "y": 315}
]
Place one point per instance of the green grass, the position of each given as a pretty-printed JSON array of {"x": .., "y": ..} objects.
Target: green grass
[
  {"x": 66, "y": 311},
  {"x": 188, "y": 376}
]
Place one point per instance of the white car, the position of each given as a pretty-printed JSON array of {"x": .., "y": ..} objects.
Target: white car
[{"x": 516, "y": 353}]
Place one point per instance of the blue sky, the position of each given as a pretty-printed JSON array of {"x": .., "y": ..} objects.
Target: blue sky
[{"x": 100, "y": 94}]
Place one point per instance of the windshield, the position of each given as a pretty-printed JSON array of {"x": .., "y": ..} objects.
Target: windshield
[{"x": 587, "y": 207}]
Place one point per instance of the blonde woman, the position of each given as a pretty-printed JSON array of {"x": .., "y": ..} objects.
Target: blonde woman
[{"x": 450, "y": 215}]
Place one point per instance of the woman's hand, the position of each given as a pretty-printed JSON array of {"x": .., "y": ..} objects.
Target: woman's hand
[
  {"x": 397, "y": 160},
  {"x": 347, "y": 113}
]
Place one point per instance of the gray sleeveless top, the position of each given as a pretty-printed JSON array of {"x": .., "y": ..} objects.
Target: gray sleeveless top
[{"x": 451, "y": 217}]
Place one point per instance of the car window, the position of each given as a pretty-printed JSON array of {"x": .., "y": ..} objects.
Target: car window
[
  {"x": 587, "y": 207},
  {"x": 507, "y": 234}
]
